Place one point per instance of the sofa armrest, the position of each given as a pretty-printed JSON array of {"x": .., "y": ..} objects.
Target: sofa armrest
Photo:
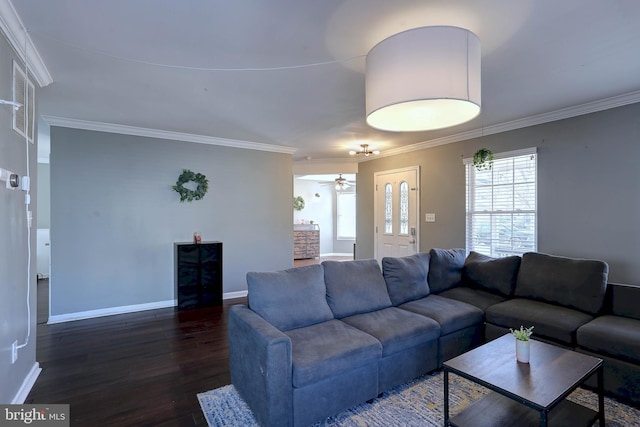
[{"x": 261, "y": 366}]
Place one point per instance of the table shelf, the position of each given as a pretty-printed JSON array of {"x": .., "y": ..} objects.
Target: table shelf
[{"x": 497, "y": 410}]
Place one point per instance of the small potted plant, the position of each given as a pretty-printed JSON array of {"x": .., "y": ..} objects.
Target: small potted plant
[{"x": 522, "y": 343}]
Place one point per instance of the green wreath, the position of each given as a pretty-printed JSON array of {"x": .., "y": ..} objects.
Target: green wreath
[
  {"x": 298, "y": 203},
  {"x": 190, "y": 195}
]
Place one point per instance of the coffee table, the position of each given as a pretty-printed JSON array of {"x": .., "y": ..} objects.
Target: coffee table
[{"x": 524, "y": 393}]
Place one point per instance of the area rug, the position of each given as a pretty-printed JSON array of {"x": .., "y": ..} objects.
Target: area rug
[{"x": 417, "y": 403}]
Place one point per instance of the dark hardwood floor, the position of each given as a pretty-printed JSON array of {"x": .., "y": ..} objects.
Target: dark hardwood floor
[{"x": 136, "y": 369}]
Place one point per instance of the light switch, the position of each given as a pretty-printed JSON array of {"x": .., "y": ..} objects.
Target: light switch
[{"x": 429, "y": 217}]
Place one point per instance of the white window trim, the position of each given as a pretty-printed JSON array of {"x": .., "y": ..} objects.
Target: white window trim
[{"x": 28, "y": 108}]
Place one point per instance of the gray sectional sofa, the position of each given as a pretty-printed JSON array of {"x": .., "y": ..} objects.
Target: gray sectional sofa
[{"x": 318, "y": 339}]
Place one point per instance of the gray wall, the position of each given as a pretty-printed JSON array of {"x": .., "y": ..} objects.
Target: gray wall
[
  {"x": 14, "y": 280},
  {"x": 114, "y": 216},
  {"x": 588, "y": 188},
  {"x": 44, "y": 196}
]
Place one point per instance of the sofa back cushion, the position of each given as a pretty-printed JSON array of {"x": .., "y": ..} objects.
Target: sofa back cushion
[
  {"x": 406, "y": 277},
  {"x": 572, "y": 283},
  {"x": 445, "y": 268},
  {"x": 355, "y": 287},
  {"x": 624, "y": 300},
  {"x": 497, "y": 275},
  {"x": 290, "y": 299}
]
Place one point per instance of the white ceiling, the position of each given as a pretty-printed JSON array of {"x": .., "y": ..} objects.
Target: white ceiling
[{"x": 243, "y": 70}]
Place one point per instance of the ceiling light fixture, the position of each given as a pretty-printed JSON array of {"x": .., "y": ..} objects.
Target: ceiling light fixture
[
  {"x": 341, "y": 183},
  {"x": 364, "y": 149},
  {"x": 423, "y": 79}
]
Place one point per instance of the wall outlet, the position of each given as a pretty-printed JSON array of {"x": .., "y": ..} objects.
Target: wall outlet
[{"x": 14, "y": 352}]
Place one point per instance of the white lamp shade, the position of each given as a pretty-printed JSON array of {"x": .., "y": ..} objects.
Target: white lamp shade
[{"x": 423, "y": 79}]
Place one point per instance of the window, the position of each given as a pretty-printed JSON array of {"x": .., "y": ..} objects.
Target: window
[
  {"x": 346, "y": 213},
  {"x": 23, "y": 117},
  {"x": 501, "y": 205}
]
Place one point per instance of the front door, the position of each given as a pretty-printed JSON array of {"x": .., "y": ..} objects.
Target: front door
[{"x": 396, "y": 212}]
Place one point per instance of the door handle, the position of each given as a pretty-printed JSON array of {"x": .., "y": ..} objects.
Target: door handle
[{"x": 412, "y": 241}]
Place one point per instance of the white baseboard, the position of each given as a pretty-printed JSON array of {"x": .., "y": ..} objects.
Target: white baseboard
[
  {"x": 238, "y": 294},
  {"x": 27, "y": 385},
  {"x": 349, "y": 254},
  {"x": 110, "y": 311}
]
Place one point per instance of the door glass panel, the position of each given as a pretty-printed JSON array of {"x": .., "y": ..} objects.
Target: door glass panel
[
  {"x": 388, "y": 208},
  {"x": 404, "y": 208}
]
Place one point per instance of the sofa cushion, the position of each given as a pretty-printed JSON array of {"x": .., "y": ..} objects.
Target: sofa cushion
[
  {"x": 574, "y": 283},
  {"x": 355, "y": 287},
  {"x": 396, "y": 329},
  {"x": 326, "y": 349},
  {"x": 476, "y": 297},
  {"x": 445, "y": 268},
  {"x": 615, "y": 336},
  {"x": 624, "y": 300},
  {"x": 492, "y": 274},
  {"x": 290, "y": 298},
  {"x": 450, "y": 314},
  {"x": 406, "y": 277},
  {"x": 550, "y": 321}
]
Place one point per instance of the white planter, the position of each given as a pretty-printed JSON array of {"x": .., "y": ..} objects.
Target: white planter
[{"x": 522, "y": 351}]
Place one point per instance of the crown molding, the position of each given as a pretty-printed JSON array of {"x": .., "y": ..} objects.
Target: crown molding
[
  {"x": 313, "y": 164},
  {"x": 564, "y": 113},
  {"x": 324, "y": 166},
  {"x": 164, "y": 134},
  {"x": 17, "y": 36}
]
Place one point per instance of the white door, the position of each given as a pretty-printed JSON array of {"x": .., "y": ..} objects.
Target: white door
[{"x": 396, "y": 212}]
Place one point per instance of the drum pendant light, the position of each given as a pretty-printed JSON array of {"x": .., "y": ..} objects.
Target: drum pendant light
[{"x": 423, "y": 79}]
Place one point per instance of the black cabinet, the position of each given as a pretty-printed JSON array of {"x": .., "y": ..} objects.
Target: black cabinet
[{"x": 198, "y": 274}]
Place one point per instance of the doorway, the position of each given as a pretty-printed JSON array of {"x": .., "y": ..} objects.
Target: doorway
[
  {"x": 328, "y": 210},
  {"x": 396, "y": 201},
  {"x": 43, "y": 223}
]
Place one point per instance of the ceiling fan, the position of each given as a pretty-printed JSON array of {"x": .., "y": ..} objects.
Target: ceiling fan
[{"x": 341, "y": 183}]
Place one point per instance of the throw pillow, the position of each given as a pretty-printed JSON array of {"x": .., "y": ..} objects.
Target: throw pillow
[{"x": 406, "y": 277}]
